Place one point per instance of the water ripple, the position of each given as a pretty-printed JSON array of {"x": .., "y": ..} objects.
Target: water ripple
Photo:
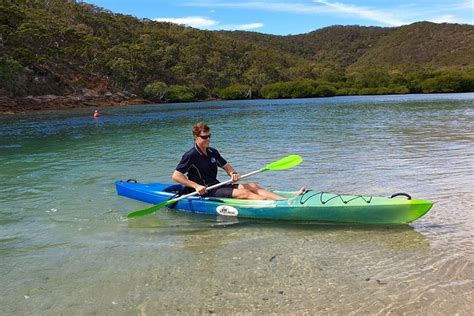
[{"x": 61, "y": 220}]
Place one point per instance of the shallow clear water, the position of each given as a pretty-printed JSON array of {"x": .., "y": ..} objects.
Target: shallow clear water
[{"x": 66, "y": 247}]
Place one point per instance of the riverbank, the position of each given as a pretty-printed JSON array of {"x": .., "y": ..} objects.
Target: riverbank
[
  {"x": 91, "y": 99},
  {"x": 87, "y": 99}
]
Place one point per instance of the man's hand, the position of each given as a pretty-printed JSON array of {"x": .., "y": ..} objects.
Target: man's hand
[
  {"x": 200, "y": 189},
  {"x": 235, "y": 177}
]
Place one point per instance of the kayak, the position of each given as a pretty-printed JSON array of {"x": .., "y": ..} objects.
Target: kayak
[{"x": 310, "y": 206}]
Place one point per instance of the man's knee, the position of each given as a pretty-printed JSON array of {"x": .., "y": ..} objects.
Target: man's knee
[
  {"x": 251, "y": 186},
  {"x": 241, "y": 193}
]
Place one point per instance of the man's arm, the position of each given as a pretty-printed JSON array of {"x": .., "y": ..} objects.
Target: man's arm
[
  {"x": 231, "y": 172},
  {"x": 182, "y": 179}
]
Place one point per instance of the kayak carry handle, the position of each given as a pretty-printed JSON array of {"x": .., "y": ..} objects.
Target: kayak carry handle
[
  {"x": 401, "y": 194},
  {"x": 132, "y": 180}
]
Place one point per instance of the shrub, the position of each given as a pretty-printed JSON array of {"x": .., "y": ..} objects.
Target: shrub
[
  {"x": 448, "y": 82},
  {"x": 234, "y": 92},
  {"x": 325, "y": 91},
  {"x": 347, "y": 91},
  {"x": 200, "y": 91},
  {"x": 155, "y": 90},
  {"x": 399, "y": 89},
  {"x": 179, "y": 94},
  {"x": 301, "y": 89}
]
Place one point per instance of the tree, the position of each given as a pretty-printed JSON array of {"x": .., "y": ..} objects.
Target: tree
[
  {"x": 301, "y": 89},
  {"x": 155, "y": 90},
  {"x": 325, "y": 90},
  {"x": 448, "y": 82},
  {"x": 122, "y": 71},
  {"x": 12, "y": 76},
  {"x": 234, "y": 92},
  {"x": 178, "y": 93}
]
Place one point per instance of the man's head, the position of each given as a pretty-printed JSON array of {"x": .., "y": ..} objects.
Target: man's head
[{"x": 201, "y": 133}]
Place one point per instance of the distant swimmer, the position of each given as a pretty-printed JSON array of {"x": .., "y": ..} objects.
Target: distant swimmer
[{"x": 96, "y": 114}]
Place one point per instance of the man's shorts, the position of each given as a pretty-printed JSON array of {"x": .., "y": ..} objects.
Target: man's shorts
[{"x": 224, "y": 191}]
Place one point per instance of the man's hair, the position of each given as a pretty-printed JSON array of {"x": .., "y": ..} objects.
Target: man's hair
[{"x": 200, "y": 127}]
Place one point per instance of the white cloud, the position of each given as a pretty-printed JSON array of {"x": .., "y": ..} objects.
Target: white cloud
[
  {"x": 469, "y": 4},
  {"x": 448, "y": 18},
  {"x": 193, "y": 21},
  {"x": 460, "y": 12},
  {"x": 250, "y": 26},
  {"x": 256, "y": 5},
  {"x": 206, "y": 23},
  {"x": 366, "y": 13},
  {"x": 318, "y": 7},
  {"x": 241, "y": 27},
  {"x": 404, "y": 13}
]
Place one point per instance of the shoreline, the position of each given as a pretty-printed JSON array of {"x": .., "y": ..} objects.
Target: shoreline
[{"x": 33, "y": 104}]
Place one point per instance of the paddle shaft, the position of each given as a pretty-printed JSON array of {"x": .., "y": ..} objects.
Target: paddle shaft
[{"x": 215, "y": 186}]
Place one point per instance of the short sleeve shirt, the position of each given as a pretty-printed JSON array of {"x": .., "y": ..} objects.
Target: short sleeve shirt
[{"x": 200, "y": 168}]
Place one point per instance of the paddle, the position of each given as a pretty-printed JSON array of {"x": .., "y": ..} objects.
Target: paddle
[{"x": 282, "y": 164}]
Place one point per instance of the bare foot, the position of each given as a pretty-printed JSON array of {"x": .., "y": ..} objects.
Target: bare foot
[{"x": 300, "y": 192}]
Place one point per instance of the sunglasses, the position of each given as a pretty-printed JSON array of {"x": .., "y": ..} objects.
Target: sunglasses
[{"x": 205, "y": 136}]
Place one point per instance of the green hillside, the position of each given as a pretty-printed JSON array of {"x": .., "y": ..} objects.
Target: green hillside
[
  {"x": 336, "y": 46},
  {"x": 63, "y": 47},
  {"x": 422, "y": 45}
]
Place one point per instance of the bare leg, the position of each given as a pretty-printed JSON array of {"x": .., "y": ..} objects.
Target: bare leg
[
  {"x": 242, "y": 193},
  {"x": 254, "y": 188},
  {"x": 252, "y": 191}
]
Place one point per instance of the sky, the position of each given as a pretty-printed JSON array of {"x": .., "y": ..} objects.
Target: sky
[{"x": 284, "y": 17}]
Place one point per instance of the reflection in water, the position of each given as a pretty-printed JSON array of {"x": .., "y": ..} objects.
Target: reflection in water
[
  {"x": 261, "y": 261},
  {"x": 181, "y": 223}
]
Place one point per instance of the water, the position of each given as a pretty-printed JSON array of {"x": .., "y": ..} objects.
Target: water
[{"x": 67, "y": 248}]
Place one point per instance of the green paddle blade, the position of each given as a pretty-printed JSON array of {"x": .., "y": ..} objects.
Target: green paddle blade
[
  {"x": 284, "y": 163},
  {"x": 150, "y": 209}
]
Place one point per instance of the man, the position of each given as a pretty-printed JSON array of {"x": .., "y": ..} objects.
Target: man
[{"x": 200, "y": 165}]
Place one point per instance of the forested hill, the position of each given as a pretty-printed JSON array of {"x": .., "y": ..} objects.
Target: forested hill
[
  {"x": 415, "y": 46},
  {"x": 426, "y": 45},
  {"x": 61, "y": 47},
  {"x": 335, "y": 47}
]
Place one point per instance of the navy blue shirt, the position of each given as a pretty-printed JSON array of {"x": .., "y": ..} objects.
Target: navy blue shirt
[{"x": 200, "y": 168}]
